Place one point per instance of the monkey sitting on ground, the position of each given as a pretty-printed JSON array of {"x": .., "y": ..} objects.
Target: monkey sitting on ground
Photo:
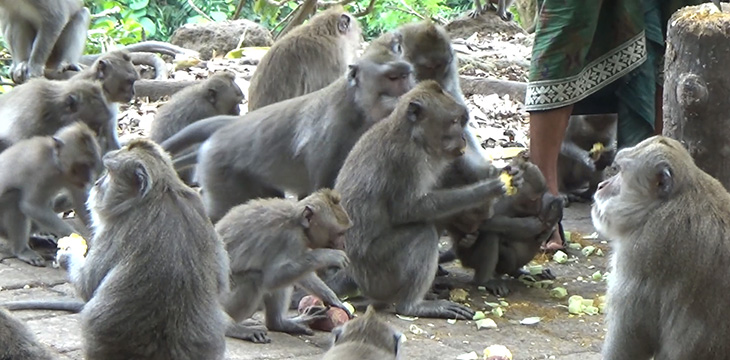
[
  {"x": 668, "y": 223},
  {"x": 314, "y": 55},
  {"x": 297, "y": 145},
  {"x": 428, "y": 47},
  {"x": 43, "y": 34},
  {"x": 40, "y": 107},
  {"x": 508, "y": 240},
  {"x": 17, "y": 342},
  {"x": 502, "y": 8},
  {"x": 365, "y": 338},
  {"x": 389, "y": 188},
  {"x": 588, "y": 148},
  {"x": 275, "y": 243},
  {"x": 152, "y": 240},
  {"x": 217, "y": 95},
  {"x": 35, "y": 171}
]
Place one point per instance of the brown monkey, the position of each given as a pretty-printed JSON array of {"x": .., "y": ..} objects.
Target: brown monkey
[
  {"x": 365, "y": 338},
  {"x": 152, "y": 240},
  {"x": 41, "y": 107},
  {"x": 275, "y": 243},
  {"x": 503, "y": 243},
  {"x": 389, "y": 187},
  {"x": 661, "y": 206},
  {"x": 17, "y": 342},
  {"x": 43, "y": 34},
  {"x": 304, "y": 140},
  {"x": 314, "y": 55},
  {"x": 36, "y": 170},
  {"x": 579, "y": 164},
  {"x": 502, "y": 8}
]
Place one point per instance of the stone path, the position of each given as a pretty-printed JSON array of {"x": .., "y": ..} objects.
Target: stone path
[{"x": 558, "y": 335}]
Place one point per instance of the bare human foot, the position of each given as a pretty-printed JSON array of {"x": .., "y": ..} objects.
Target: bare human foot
[{"x": 555, "y": 242}]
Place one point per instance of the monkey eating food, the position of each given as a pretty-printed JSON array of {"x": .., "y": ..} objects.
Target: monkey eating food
[
  {"x": 275, "y": 243},
  {"x": 389, "y": 187},
  {"x": 668, "y": 223}
]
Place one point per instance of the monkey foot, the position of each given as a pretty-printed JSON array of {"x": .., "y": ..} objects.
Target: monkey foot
[
  {"x": 556, "y": 241},
  {"x": 507, "y": 16},
  {"x": 441, "y": 309},
  {"x": 31, "y": 257},
  {"x": 498, "y": 287},
  {"x": 248, "y": 333},
  {"x": 292, "y": 327}
]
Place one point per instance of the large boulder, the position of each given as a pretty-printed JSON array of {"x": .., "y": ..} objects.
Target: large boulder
[{"x": 220, "y": 37}]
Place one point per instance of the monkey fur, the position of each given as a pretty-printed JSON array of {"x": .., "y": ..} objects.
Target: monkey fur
[{"x": 365, "y": 338}]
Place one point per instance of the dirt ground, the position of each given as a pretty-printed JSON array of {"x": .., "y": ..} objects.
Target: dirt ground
[{"x": 558, "y": 335}]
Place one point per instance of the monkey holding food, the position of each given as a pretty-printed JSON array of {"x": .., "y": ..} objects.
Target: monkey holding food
[
  {"x": 275, "y": 243},
  {"x": 668, "y": 222}
]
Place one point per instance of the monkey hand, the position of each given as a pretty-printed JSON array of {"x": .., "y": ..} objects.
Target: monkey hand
[
  {"x": 70, "y": 249},
  {"x": 333, "y": 258},
  {"x": 512, "y": 180},
  {"x": 19, "y": 73}
]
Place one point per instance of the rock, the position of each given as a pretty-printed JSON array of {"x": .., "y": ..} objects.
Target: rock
[
  {"x": 464, "y": 26},
  {"x": 220, "y": 37}
]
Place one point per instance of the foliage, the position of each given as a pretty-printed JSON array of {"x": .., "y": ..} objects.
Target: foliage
[{"x": 130, "y": 21}]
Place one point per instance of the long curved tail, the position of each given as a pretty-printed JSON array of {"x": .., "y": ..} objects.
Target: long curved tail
[
  {"x": 195, "y": 133},
  {"x": 73, "y": 306}
]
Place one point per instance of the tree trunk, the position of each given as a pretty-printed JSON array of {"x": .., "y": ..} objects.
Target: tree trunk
[{"x": 696, "y": 87}]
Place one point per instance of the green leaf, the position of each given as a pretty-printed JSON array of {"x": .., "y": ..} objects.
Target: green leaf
[
  {"x": 218, "y": 15},
  {"x": 149, "y": 26},
  {"x": 138, "y": 4}
]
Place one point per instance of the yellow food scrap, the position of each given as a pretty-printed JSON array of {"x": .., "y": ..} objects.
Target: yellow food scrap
[
  {"x": 458, "y": 295},
  {"x": 596, "y": 150},
  {"x": 507, "y": 181},
  {"x": 497, "y": 352},
  {"x": 75, "y": 241}
]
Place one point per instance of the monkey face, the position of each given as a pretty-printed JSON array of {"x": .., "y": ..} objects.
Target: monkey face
[{"x": 645, "y": 180}]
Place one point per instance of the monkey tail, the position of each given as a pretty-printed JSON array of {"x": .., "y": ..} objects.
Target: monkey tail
[
  {"x": 196, "y": 132},
  {"x": 61, "y": 305}
]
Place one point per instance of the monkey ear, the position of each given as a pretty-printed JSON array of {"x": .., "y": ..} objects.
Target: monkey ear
[
  {"x": 414, "y": 110},
  {"x": 58, "y": 144},
  {"x": 212, "y": 96},
  {"x": 343, "y": 24},
  {"x": 352, "y": 71},
  {"x": 664, "y": 181},
  {"x": 72, "y": 102},
  {"x": 142, "y": 176},
  {"x": 307, "y": 216},
  {"x": 102, "y": 69}
]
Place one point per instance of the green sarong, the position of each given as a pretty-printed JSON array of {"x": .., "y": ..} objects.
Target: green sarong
[{"x": 603, "y": 56}]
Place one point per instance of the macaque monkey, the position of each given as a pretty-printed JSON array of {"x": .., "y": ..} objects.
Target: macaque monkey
[
  {"x": 217, "y": 95},
  {"x": 40, "y": 107},
  {"x": 314, "y": 55},
  {"x": 35, "y": 170},
  {"x": 389, "y": 186},
  {"x": 667, "y": 221},
  {"x": 588, "y": 149},
  {"x": 365, "y": 338},
  {"x": 17, "y": 342},
  {"x": 502, "y": 8},
  {"x": 275, "y": 243},
  {"x": 507, "y": 240},
  {"x": 155, "y": 269},
  {"x": 304, "y": 140},
  {"x": 43, "y": 34}
]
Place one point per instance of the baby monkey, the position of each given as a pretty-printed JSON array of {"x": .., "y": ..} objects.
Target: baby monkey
[{"x": 276, "y": 243}]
